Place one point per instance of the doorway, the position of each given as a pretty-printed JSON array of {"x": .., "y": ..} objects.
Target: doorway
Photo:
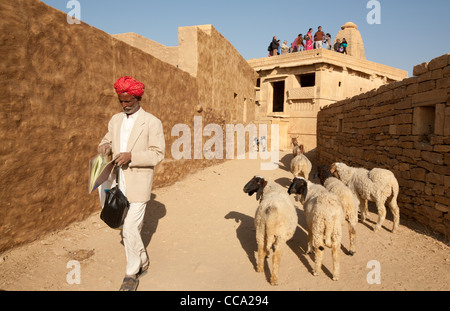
[{"x": 278, "y": 96}]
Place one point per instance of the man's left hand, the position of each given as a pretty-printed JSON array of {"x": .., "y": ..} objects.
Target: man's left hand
[{"x": 123, "y": 158}]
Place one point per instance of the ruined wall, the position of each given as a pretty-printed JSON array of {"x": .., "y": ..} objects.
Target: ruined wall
[
  {"x": 168, "y": 54},
  {"x": 405, "y": 127},
  {"x": 56, "y": 102}
]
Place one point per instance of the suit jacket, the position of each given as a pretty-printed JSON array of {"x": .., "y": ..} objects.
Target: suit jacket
[{"x": 147, "y": 147}]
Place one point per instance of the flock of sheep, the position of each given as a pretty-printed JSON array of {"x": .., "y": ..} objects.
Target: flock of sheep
[{"x": 343, "y": 190}]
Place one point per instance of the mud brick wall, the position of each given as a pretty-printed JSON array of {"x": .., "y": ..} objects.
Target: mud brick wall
[
  {"x": 57, "y": 98},
  {"x": 403, "y": 127}
]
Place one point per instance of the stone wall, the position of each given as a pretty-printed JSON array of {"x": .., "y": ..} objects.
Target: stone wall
[
  {"x": 405, "y": 127},
  {"x": 58, "y": 97}
]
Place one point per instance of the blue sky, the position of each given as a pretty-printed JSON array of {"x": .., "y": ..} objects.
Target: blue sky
[{"x": 410, "y": 32}]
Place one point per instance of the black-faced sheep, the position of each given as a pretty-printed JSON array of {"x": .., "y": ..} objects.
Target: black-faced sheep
[
  {"x": 347, "y": 198},
  {"x": 324, "y": 218},
  {"x": 275, "y": 220},
  {"x": 378, "y": 185}
]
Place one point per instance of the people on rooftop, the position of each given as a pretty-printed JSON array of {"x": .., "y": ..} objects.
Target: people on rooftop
[{"x": 308, "y": 42}]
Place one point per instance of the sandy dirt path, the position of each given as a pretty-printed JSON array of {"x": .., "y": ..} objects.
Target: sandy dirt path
[{"x": 200, "y": 236}]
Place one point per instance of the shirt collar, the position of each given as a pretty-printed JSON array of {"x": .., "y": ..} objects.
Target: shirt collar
[{"x": 134, "y": 116}]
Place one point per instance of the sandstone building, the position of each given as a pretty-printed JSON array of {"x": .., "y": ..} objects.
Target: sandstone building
[{"x": 292, "y": 88}]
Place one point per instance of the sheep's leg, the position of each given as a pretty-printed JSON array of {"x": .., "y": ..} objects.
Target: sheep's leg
[
  {"x": 309, "y": 250},
  {"x": 363, "y": 208},
  {"x": 318, "y": 257},
  {"x": 335, "y": 252},
  {"x": 381, "y": 215},
  {"x": 261, "y": 240},
  {"x": 261, "y": 257},
  {"x": 352, "y": 235},
  {"x": 396, "y": 212},
  {"x": 276, "y": 257}
]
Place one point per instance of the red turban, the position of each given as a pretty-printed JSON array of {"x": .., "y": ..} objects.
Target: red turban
[{"x": 130, "y": 86}]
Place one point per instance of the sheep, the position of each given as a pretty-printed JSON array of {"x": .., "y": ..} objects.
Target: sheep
[
  {"x": 347, "y": 198},
  {"x": 300, "y": 164},
  {"x": 297, "y": 149},
  {"x": 378, "y": 185},
  {"x": 275, "y": 220},
  {"x": 324, "y": 219}
]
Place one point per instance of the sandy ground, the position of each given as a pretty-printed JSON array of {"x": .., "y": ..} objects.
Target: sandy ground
[{"x": 200, "y": 236}]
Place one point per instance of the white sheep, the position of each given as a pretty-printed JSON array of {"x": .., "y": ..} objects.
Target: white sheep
[
  {"x": 324, "y": 219},
  {"x": 275, "y": 220},
  {"x": 300, "y": 164},
  {"x": 378, "y": 185},
  {"x": 347, "y": 198}
]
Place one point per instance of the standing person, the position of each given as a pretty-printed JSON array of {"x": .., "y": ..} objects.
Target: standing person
[
  {"x": 318, "y": 38},
  {"x": 309, "y": 40},
  {"x": 279, "y": 47},
  {"x": 328, "y": 42},
  {"x": 135, "y": 138},
  {"x": 273, "y": 47},
  {"x": 337, "y": 45},
  {"x": 294, "y": 45},
  {"x": 301, "y": 45},
  {"x": 344, "y": 46},
  {"x": 284, "y": 48}
]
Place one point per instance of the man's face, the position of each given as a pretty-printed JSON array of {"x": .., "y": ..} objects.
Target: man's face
[{"x": 129, "y": 103}]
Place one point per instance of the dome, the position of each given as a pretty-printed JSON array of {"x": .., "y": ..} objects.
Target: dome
[{"x": 349, "y": 25}]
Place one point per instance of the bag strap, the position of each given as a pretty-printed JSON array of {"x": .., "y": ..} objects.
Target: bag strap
[{"x": 117, "y": 174}]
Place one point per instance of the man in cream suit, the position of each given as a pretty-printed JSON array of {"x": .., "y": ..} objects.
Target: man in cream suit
[{"x": 135, "y": 139}]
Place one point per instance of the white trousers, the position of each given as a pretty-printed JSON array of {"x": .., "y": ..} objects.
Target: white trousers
[
  {"x": 131, "y": 234},
  {"x": 135, "y": 251}
]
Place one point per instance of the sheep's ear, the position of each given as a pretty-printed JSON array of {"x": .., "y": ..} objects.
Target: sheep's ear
[
  {"x": 305, "y": 191},
  {"x": 261, "y": 190},
  {"x": 333, "y": 169}
]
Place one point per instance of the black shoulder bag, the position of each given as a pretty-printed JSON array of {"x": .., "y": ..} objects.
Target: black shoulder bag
[{"x": 116, "y": 206}]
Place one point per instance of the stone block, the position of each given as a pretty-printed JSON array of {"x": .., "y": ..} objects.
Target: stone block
[
  {"x": 404, "y": 104},
  {"x": 412, "y": 89},
  {"x": 427, "y": 86},
  {"x": 446, "y": 71},
  {"x": 443, "y": 83},
  {"x": 427, "y": 165},
  {"x": 411, "y": 153},
  {"x": 447, "y": 182},
  {"x": 439, "y": 122},
  {"x": 403, "y": 118},
  {"x": 442, "y": 200},
  {"x": 418, "y": 174},
  {"x": 447, "y": 126},
  {"x": 437, "y": 74},
  {"x": 439, "y": 62},
  {"x": 434, "y": 178},
  {"x": 420, "y": 69},
  {"x": 433, "y": 157},
  {"x": 442, "y": 208},
  {"x": 430, "y": 97}
]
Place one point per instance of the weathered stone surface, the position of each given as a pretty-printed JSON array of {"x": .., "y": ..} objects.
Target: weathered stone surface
[
  {"x": 58, "y": 97},
  {"x": 420, "y": 69}
]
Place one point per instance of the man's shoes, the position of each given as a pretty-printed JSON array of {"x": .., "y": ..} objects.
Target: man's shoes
[{"x": 129, "y": 284}]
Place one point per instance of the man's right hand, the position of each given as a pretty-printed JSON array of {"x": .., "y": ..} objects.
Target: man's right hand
[{"x": 104, "y": 149}]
